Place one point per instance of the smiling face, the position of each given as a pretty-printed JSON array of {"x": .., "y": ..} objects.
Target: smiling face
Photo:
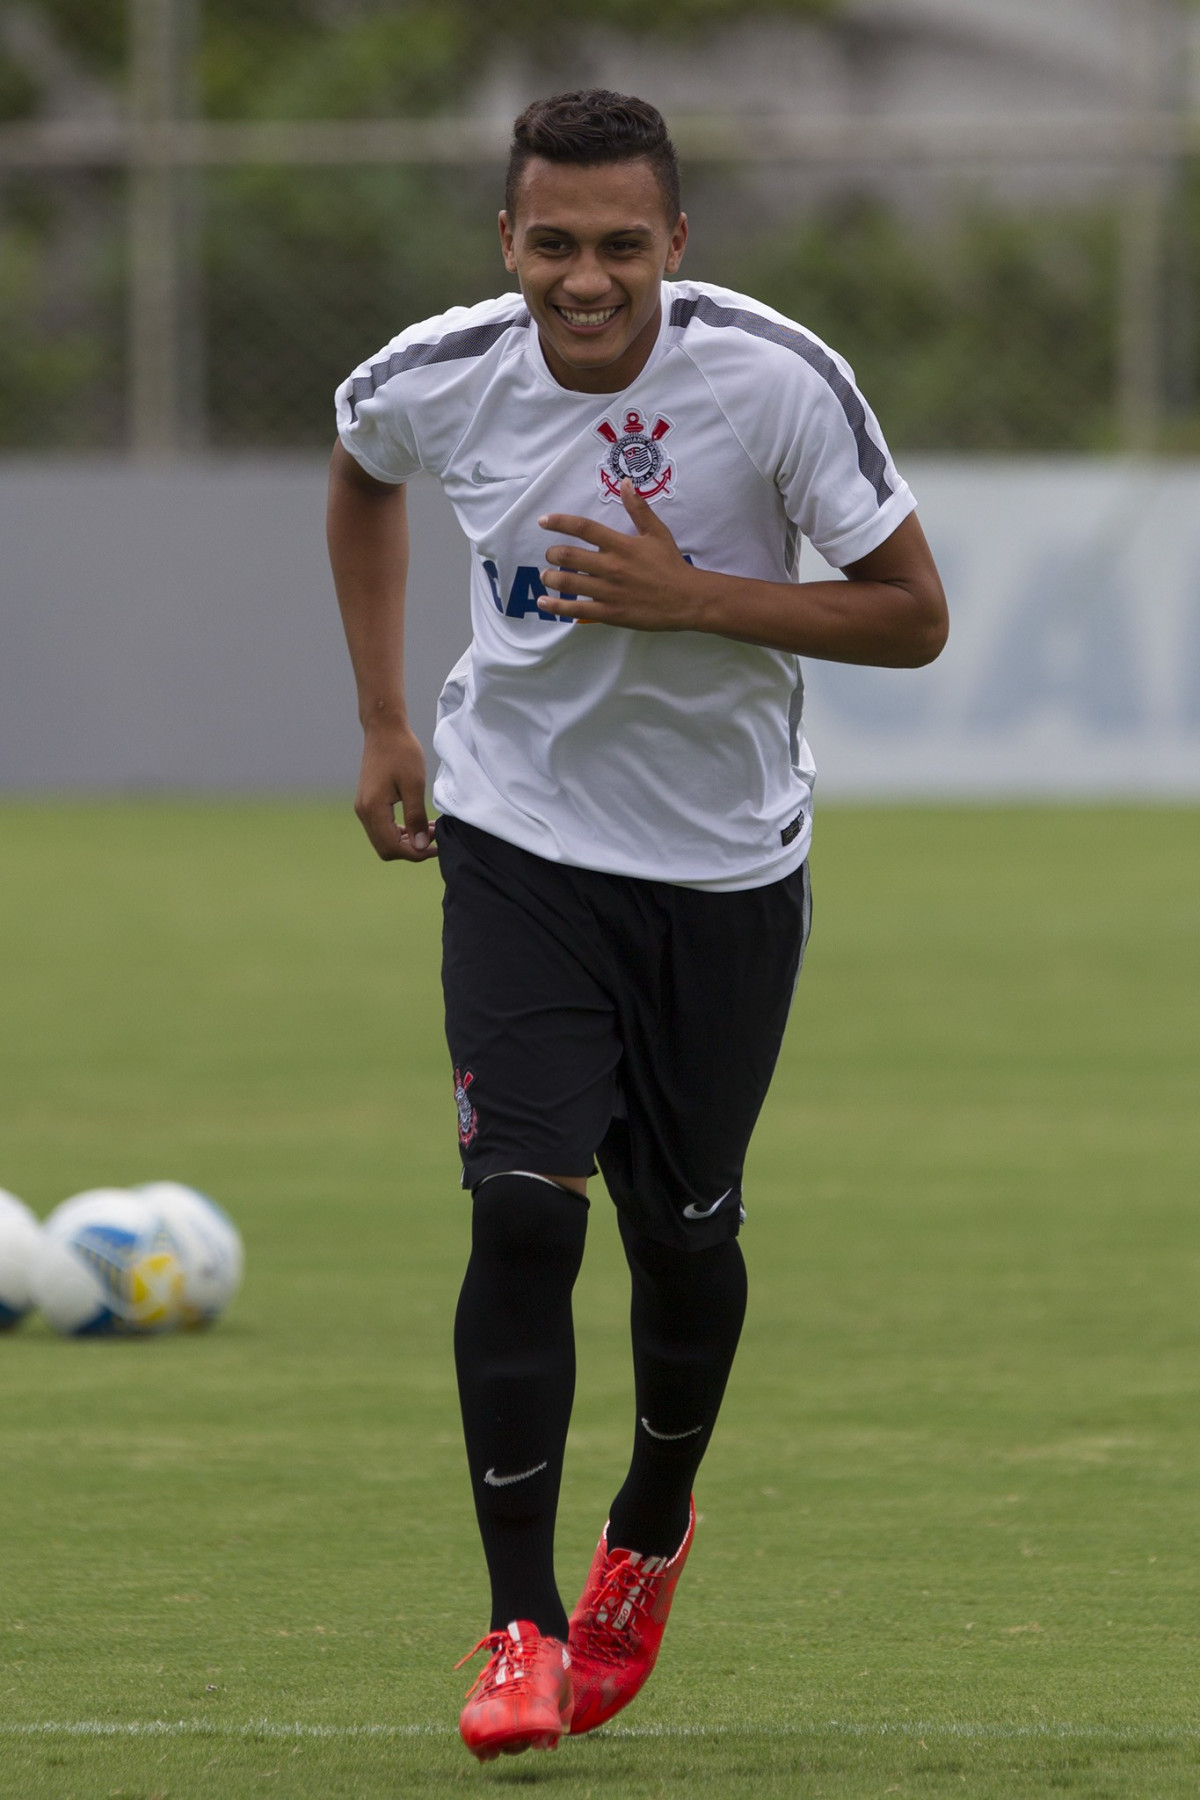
[{"x": 590, "y": 245}]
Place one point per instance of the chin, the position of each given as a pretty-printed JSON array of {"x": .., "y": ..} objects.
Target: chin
[
  {"x": 591, "y": 350},
  {"x": 590, "y": 354}
]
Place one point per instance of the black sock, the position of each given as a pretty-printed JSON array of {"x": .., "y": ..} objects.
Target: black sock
[
  {"x": 686, "y": 1317},
  {"x": 514, "y": 1347}
]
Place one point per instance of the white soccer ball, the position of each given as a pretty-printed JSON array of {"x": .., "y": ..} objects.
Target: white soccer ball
[
  {"x": 108, "y": 1262},
  {"x": 213, "y": 1258},
  {"x": 19, "y": 1234}
]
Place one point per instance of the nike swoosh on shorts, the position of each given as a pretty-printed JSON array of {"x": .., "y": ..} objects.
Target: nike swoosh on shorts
[
  {"x": 494, "y": 1480},
  {"x": 694, "y": 1212}
]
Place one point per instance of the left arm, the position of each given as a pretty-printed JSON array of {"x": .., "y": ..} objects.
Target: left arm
[{"x": 889, "y": 612}]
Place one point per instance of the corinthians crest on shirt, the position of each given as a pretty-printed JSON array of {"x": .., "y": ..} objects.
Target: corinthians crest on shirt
[{"x": 635, "y": 450}]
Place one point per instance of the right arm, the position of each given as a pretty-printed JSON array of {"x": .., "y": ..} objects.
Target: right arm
[{"x": 367, "y": 530}]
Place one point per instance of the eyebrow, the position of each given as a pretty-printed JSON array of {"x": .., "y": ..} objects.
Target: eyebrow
[{"x": 618, "y": 231}]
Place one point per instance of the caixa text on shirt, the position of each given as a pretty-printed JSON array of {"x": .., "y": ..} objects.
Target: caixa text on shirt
[{"x": 525, "y": 590}]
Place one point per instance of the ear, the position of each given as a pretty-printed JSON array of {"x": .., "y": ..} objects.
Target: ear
[
  {"x": 507, "y": 244},
  {"x": 679, "y": 238}
]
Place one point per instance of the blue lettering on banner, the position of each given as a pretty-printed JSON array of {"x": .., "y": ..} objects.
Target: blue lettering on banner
[
  {"x": 1066, "y": 646},
  {"x": 878, "y": 702}
]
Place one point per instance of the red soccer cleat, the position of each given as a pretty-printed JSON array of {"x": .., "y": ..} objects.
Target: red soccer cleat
[
  {"x": 618, "y": 1625},
  {"x": 522, "y": 1700}
]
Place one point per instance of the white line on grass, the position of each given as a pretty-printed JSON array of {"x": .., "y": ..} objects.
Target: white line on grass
[
  {"x": 255, "y": 1728},
  {"x": 906, "y": 1728}
]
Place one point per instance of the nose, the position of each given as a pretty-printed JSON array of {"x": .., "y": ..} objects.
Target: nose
[{"x": 587, "y": 278}]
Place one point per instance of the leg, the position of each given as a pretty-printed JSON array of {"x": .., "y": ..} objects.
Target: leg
[
  {"x": 686, "y": 1317},
  {"x": 515, "y": 1352},
  {"x": 702, "y": 1008},
  {"x": 532, "y": 1042}
]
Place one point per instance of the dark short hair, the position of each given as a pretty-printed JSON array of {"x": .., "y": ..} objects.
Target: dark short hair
[{"x": 591, "y": 126}]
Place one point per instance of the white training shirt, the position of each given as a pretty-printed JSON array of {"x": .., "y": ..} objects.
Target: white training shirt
[{"x": 674, "y": 756}]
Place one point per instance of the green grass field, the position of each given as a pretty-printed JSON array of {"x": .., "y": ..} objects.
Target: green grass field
[{"x": 949, "y": 1541}]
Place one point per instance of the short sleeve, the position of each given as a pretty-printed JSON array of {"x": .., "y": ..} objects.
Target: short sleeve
[
  {"x": 839, "y": 483},
  {"x": 372, "y": 420},
  {"x": 795, "y": 408}
]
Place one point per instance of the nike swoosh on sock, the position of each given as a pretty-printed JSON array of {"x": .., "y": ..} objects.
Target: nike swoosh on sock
[
  {"x": 670, "y": 1437},
  {"x": 494, "y": 1480}
]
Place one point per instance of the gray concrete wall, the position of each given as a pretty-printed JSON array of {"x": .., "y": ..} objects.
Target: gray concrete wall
[{"x": 177, "y": 629}]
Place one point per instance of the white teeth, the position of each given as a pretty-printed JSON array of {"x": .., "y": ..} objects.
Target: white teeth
[{"x": 588, "y": 318}]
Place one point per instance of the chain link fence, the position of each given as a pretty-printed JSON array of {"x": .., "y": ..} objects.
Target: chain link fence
[{"x": 211, "y": 209}]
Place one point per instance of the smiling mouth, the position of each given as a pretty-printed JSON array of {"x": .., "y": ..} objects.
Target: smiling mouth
[{"x": 585, "y": 320}]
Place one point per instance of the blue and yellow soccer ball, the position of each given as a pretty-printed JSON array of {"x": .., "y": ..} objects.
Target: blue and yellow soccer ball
[
  {"x": 108, "y": 1262},
  {"x": 210, "y": 1246}
]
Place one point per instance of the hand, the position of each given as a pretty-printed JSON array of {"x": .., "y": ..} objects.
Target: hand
[
  {"x": 393, "y": 774},
  {"x": 640, "y": 581}
]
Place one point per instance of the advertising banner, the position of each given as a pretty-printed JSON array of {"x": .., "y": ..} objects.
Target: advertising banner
[{"x": 1073, "y": 667}]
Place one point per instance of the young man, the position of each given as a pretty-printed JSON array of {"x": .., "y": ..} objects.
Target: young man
[{"x": 625, "y": 800}]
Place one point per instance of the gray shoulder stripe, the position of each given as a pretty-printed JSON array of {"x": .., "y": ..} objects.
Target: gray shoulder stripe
[
  {"x": 871, "y": 460},
  {"x": 457, "y": 346}
]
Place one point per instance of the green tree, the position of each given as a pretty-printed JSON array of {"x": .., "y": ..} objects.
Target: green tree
[
  {"x": 302, "y": 271},
  {"x": 996, "y": 331}
]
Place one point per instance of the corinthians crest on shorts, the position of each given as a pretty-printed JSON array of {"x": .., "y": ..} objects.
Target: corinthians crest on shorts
[
  {"x": 636, "y": 451},
  {"x": 468, "y": 1118}
]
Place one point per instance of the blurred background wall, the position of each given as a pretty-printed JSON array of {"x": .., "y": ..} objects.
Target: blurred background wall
[{"x": 210, "y": 210}]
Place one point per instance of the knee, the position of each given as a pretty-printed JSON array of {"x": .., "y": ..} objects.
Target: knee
[
  {"x": 674, "y": 1265},
  {"x": 527, "y": 1219}
]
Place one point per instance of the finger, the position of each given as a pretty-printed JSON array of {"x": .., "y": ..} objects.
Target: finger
[
  {"x": 577, "y": 561},
  {"x": 411, "y": 854},
  {"x": 590, "y": 530},
  {"x": 416, "y": 822},
  {"x": 391, "y": 841},
  {"x": 582, "y": 611},
  {"x": 640, "y": 511},
  {"x": 379, "y": 823},
  {"x": 403, "y": 850},
  {"x": 569, "y": 582}
]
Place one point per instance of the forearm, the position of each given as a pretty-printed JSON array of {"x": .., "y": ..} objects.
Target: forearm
[
  {"x": 890, "y": 611},
  {"x": 861, "y": 621},
  {"x": 367, "y": 529},
  {"x": 367, "y": 532}
]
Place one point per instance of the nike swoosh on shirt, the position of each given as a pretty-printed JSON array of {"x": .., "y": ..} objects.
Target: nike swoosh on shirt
[
  {"x": 479, "y": 476},
  {"x": 694, "y": 1212},
  {"x": 494, "y": 1480}
]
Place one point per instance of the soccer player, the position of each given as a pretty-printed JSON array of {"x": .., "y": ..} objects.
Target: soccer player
[{"x": 625, "y": 813}]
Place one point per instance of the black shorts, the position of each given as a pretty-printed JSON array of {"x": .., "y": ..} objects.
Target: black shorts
[{"x": 600, "y": 1016}]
